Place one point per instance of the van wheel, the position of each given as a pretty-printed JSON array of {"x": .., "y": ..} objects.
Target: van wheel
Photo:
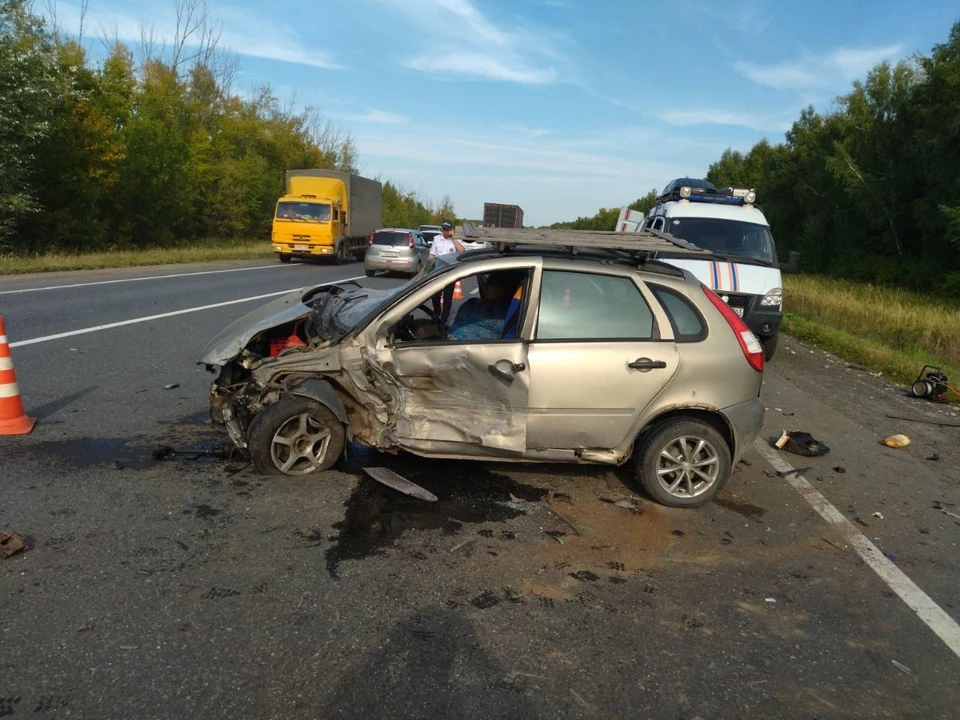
[
  {"x": 769, "y": 346},
  {"x": 683, "y": 463},
  {"x": 284, "y": 258},
  {"x": 295, "y": 436}
]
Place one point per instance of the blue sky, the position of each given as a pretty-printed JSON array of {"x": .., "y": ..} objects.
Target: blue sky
[{"x": 559, "y": 106}]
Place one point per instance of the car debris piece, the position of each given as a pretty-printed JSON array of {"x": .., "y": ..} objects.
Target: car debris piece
[
  {"x": 171, "y": 386},
  {"x": 950, "y": 509},
  {"x": 902, "y": 668},
  {"x": 803, "y": 443},
  {"x": 896, "y": 441},
  {"x": 878, "y": 515},
  {"x": 388, "y": 477},
  {"x": 10, "y": 543},
  {"x": 771, "y": 601},
  {"x": 557, "y": 515},
  {"x": 934, "y": 457},
  {"x": 795, "y": 471},
  {"x": 839, "y": 470}
]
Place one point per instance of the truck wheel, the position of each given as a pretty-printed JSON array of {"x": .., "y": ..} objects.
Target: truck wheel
[
  {"x": 284, "y": 258},
  {"x": 769, "y": 346},
  {"x": 342, "y": 255},
  {"x": 295, "y": 436},
  {"x": 683, "y": 463}
]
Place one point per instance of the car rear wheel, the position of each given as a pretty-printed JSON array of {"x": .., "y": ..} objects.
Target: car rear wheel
[
  {"x": 295, "y": 436},
  {"x": 683, "y": 463},
  {"x": 769, "y": 346},
  {"x": 370, "y": 273}
]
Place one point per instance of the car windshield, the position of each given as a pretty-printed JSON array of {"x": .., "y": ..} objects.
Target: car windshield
[
  {"x": 396, "y": 238},
  {"x": 726, "y": 237},
  {"x": 305, "y": 211}
]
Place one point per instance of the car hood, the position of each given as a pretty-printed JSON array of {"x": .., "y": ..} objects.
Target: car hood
[{"x": 333, "y": 310}]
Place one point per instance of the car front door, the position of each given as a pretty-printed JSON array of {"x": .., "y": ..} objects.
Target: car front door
[
  {"x": 458, "y": 397},
  {"x": 596, "y": 361}
]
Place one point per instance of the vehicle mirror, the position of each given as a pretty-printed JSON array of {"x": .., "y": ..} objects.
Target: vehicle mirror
[{"x": 792, "y": 266}]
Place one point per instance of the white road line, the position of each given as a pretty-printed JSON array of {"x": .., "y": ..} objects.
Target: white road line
[
  {"x": 161, "y": 316},
  {"x": 149, "y": 277},
  {"x": 926, "y": 609}
]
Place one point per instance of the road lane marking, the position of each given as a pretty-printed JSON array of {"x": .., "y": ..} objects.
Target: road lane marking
[
  {"x": 161, "y": 316},
  {"x": 141, "y": 279},
  {"x": 945, "y": 627}
]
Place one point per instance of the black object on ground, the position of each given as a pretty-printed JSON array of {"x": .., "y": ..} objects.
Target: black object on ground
[{"x": 803, "y": 443}]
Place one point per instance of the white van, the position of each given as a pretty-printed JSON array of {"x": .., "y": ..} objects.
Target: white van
[{"x": 745, "y": 271}]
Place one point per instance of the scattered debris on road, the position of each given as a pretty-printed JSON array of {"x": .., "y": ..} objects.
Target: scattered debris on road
[
  {"x": 896, "y": 441},
  {"x": 840, "y": 470},
  {"x": 795, "y": 471},
  {"x": 771, "y": 601},
  {"x": 11, "y": 543},
  {"x": 878, "y": 515},
  {"x": 171, "y": 386},
  {"x": 388, "y": 477},
  {"x": 902, "y": 668},
  {"x": 924, "y": 421},
  {"x": 801, "y": 443},
  {"x": 950, "y": 509},
  {"x": 935, "y": 457}
]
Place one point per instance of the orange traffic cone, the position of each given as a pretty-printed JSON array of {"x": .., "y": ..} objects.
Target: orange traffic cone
[
  {"x": 567, "y": 302},
  {"x": 457, "y": 291},
  {"x": 13, "y": 420}
]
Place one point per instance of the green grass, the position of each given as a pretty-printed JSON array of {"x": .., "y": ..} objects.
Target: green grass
[
  {"x": 883, "y": 329},
  {"x": 207, "y": 251}
]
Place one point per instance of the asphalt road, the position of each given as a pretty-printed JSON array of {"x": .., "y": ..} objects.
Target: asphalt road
[{"x": 190, "y": 587}]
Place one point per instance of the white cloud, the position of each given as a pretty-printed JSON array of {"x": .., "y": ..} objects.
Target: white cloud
[
  {"x": 462, "y": 41},
  {"x": 382, "y": 117},
  {"x": 819, "y": 71},
  {"x": 690, "y": 118}
]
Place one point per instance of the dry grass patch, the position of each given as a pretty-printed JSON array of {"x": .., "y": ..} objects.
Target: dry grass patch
[{"x": 202, "y": 252}]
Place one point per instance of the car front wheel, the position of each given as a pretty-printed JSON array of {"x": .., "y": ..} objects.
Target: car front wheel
[
  {"x": 295, "y": 436},
  {"x": 683, "y": 463},
  {"x": 769, "y": 346}
]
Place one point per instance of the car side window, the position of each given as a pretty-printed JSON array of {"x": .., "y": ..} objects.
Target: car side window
[
  {"x": 590, "y": 306},
  {"x": 687, "y": 322}
]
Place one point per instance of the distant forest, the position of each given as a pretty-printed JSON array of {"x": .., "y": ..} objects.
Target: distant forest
[{"x": 152, "y": 146}]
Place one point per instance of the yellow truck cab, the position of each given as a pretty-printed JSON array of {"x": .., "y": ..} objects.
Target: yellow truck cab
[{"x": 326, "y": 214}]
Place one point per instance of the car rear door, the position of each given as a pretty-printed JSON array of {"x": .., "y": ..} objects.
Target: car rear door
[{"x": 596, "y": 360}]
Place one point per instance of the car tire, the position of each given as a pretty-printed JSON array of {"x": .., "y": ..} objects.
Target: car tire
[
  {"x": 370, "y": 273},
  {"x": 769, "y": 346},
  {"x": 284, "y": 258},
  {"x": 295, "y": 436},
  {"x": 663, "y": 461}
]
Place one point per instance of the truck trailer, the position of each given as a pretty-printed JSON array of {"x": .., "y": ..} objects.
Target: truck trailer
[
  {"x": 502, "y": 216},
  {"x": 326, "y": 214}
]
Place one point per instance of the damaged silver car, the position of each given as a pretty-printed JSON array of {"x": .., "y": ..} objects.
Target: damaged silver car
[{"x": 579, "y": 355}]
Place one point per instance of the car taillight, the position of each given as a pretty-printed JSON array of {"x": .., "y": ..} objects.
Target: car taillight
[
  {"x": 411, "y": 241},
  {"x": 749, "y": 344},
  {"x": 371, "y": 238}
]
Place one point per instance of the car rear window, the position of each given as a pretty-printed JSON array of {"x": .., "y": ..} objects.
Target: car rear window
[
  {"x": 589, "y": 306},
  {"x": 686, "y": 320},
  {"x": 391, "y": 238}
]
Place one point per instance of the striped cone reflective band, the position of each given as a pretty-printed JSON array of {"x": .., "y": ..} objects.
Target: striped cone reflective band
[{"x": 13, "y": 420}]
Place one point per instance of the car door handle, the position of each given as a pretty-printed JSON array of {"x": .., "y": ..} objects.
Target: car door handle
[
  {"x": 503, "y": 374},
  {"x": 647, "y": 364}
]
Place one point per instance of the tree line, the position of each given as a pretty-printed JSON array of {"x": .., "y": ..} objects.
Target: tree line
[
  {"x": 870, "y": 189},
  {"x": 151, "y": 146}
]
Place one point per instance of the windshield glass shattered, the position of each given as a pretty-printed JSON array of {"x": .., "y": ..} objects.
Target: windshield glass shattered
[
  {"x": 303, "y": 211},
  {"x": 342, "y": 309},
  {"x": 730, "y": 238}
]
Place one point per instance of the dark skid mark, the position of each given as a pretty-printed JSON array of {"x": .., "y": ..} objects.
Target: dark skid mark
[
  {"x": 753, "y": 512},
  {"x": 377, "y": 516},
  {"x": 93, "y": 452}
]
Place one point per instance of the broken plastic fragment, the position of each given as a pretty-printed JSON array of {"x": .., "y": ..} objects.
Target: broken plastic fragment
[
  {"x": 878, "y": 515},
  {"x": 902, "y": 668},
  {"x": 171, "y": 386},
  {"x": 388, "y": 477},
  {"x": 772, "y": 601},
  {"x": 896, "y": 441},
  {"x": 10, "y": 543}
]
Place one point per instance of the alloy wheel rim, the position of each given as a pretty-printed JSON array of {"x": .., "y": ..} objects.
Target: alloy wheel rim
[
  {"x": 300, "y": 445},
  {"x": 687, "y": 466}
]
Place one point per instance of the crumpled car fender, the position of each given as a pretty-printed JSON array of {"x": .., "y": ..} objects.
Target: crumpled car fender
[{"x": 316, "y": 389}]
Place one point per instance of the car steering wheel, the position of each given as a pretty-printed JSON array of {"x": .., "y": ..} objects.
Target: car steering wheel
[{"x": 410, "y": 329}]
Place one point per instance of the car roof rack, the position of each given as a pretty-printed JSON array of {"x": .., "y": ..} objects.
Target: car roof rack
[{"x": 639, "y": 246}]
